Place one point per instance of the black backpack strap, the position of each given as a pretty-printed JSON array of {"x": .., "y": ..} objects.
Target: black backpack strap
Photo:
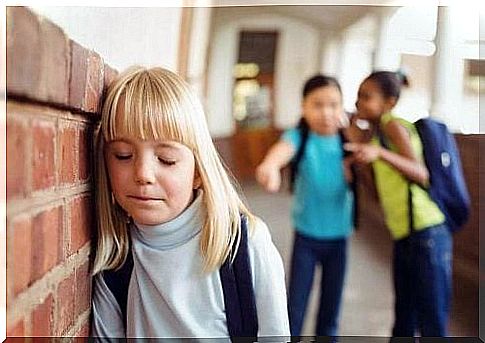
[
  {"x": 237, "y": 286},
  {"x": 353, "y": 184},
  {"x": 304, "y": 132},
  {"x": 118, "y": 282}
]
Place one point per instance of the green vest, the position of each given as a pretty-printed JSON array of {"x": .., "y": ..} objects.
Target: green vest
[{"x": 392, "y": 188}]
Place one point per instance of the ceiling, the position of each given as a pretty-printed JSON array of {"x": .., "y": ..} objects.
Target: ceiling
[
  {"x": 330, "y": 17},
  {"x": 326, "y": 17}
]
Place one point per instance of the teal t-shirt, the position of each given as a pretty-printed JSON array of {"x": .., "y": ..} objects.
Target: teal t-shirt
[{"x": 323, "y": 201}]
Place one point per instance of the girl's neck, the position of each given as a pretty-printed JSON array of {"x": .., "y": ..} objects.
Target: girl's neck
[
  {"x": 175, "y": 232},
  {"x": 325, "y": 132},
  {"x": 375, "y": 121},
  {"x": 378, "y": 119}
]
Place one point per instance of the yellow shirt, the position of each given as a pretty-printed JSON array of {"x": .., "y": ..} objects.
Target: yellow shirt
[{"x": 392, "y": 188}]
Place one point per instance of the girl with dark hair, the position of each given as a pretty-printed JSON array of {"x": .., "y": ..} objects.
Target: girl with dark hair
[
  {"x": 422, "y": 241},
  {"x": 323, "y": 201}
]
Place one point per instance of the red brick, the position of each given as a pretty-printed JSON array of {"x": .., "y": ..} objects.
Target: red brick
[
  {"x": 83, "y": 289},
  {"x": 17, "y": 330},
  {"x": 86, "y": 82},
  {"x": 81, "y": 223},
  {"x": 42, "y": 318},
  {"x": 109, "y": 75},
  {"x": 43, "y": 168},
  {"x": 85, "y": 151},
  {"x": 17, "y": 133},
  {"x": 67, "y": 154},
  {"x": 47, "y": 240},
  {"x": 23, "y": 52},
  {"x": 84, "y": 331},
  {"x": 54, "y": 86},
  {"x": 19, "y": 340},
  {"x": 19, "y": 260},
  {"x": 3, "y": 166},
  {"x": 94, "y": 83},
  {"x": 79, "y": 66},
  {"x": 38, "y": 57},
  {"x": 65, "y": 305}
]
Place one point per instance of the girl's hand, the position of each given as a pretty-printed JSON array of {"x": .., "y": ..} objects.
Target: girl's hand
[
  {"x": 347, "y": 169},
  {"x": 269, "y": 177},
  {"x": 363, "y": 153}
]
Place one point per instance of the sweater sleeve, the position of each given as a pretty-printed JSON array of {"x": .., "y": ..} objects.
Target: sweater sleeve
[
  {"x": 269, "y": 283},
  {"x": 107, "y": 321}
]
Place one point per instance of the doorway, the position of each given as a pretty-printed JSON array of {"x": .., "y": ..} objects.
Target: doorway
[{"x": 253, "y": 101}]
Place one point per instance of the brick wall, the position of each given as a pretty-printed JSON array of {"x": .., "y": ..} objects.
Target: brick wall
[{"x": 54, "y": 87}]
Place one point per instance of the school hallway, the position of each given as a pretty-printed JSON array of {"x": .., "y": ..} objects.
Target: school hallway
[
  {"x": 367, "y": 300},
  {"x": 247, "y": 64}
]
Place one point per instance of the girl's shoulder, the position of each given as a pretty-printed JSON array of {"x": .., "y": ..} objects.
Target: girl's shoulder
[
  {"x": 292, "y": 135},
  {"x": 390, "y": 121},
  {"x": 265, "y": 259},
  {"x": 393, "y": 126},
  {"x": 259, "y": 234}
]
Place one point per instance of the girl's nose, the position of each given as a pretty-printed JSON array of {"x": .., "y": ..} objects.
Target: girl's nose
[
  {"x": 327, "y": 112},
  {"x": 144, "y": 173}
]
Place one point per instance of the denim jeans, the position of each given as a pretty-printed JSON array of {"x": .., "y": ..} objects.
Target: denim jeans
[
  {"x": 423, "y": 282},
  {"x": 332, "y": 256}
]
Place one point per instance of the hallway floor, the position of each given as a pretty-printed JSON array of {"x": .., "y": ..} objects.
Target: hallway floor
[{"x": 367, "y": 300}]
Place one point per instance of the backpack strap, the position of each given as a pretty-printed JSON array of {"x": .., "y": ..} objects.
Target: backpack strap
[
  {"x": 384, "y": 142},
  {"x": 118, "y": 282},
  {"x": 304, "y": 132},
  {"x": 353, "y": 184},
  {"x": 237, "y": 286}
]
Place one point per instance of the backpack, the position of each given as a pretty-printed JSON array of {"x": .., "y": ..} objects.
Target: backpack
[
  {"x": 237, "y": 287},
  {"x": 447, "y": 187},
  {"x": 294, "y": 163}
]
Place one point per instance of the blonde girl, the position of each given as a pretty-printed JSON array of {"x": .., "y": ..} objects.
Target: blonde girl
[{"x": 165, "y": 200}]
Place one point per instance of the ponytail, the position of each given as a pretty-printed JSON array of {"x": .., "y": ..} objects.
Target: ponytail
[{"x": 401, "y": 75}]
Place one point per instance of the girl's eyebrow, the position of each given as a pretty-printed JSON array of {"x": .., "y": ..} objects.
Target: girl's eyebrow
[
  {"x": 120, "y": 140},
  {"x": 167, "y": 145}
]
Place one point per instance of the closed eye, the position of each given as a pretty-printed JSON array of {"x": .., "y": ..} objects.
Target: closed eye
[
  {"x": 122, "y": 157},
  {"x": 167, "y": 162}
]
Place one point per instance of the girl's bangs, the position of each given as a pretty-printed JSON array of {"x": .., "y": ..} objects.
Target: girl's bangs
[{"x": 148, "y": 110}]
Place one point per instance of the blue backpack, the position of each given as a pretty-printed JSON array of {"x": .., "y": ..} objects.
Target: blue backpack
[{"x": 447, "y": 184}]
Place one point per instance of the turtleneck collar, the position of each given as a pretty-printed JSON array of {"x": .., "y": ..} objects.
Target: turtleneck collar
[{"x": 176, "y": 232}]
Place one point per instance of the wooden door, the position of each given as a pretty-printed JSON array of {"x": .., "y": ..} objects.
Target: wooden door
[{"x": 253, "y": 102}]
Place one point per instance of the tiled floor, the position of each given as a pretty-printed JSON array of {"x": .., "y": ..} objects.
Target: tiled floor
[{"x": 367, "y": 300}]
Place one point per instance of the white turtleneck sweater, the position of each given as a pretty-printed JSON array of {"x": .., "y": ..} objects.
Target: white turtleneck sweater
[{"x": 169, "y": 296}]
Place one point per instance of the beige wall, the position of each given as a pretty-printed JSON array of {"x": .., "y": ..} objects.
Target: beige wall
[
  {"x": 297, "y": 54},
  {"x": 123, "y": 35}
]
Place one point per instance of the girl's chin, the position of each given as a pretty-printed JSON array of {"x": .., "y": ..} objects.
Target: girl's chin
[
  {"x": 365, "y": 116},
  {"x": 330, "y": 130}
]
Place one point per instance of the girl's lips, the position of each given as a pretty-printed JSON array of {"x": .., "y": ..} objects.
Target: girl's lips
[{"x": 143, "y": 198}]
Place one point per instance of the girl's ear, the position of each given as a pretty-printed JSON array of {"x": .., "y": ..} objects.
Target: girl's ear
[
  {"x": 197, "y": 180},
  {"x": 390, "y": 102}
]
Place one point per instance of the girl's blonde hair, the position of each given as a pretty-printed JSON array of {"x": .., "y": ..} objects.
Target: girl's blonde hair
[{"x": 158, "y": 104}]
